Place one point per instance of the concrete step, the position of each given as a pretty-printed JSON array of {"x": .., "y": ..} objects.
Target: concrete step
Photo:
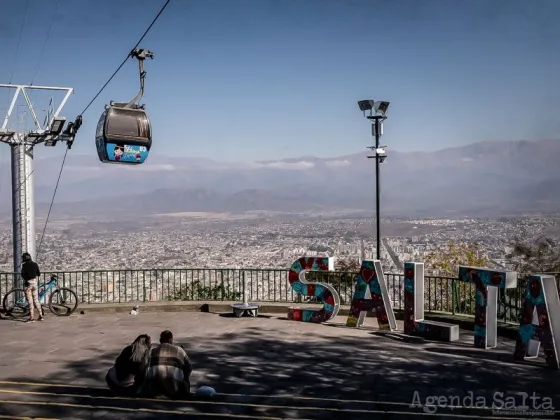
[{"x": 60, "y": 401}]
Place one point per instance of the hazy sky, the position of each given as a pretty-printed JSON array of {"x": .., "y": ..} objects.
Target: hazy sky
[{"x": 266, "y": 79}]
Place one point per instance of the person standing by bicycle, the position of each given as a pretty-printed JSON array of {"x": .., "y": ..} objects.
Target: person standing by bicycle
[{"x": 30, "y": 273}]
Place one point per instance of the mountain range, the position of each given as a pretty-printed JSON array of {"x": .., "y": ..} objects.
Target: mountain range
[{"x": 478, "y": 180}]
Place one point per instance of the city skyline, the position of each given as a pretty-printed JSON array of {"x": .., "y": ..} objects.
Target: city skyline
[{"x": 263, "y": 240}]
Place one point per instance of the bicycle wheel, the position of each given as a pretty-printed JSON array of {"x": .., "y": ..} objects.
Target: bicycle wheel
[
  {"x": 15, "y": 304},
  {"x": 63, "y": 302}
]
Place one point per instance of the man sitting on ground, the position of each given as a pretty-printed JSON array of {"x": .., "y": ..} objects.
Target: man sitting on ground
[{"x": 167, "y": 370}]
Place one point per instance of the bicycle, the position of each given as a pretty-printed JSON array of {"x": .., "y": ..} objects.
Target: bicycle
[{"x": 18, "y": 306}]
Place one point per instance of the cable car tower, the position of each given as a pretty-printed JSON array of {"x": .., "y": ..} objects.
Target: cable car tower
[{"x": 21, "y": 145}]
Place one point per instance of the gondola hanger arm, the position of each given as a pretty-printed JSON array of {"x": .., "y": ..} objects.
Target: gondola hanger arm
[{"x": 140, "y": 55}]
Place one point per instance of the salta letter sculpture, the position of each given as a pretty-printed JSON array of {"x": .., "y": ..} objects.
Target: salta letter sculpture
[
  {"x": 487, "y": 282},
  {"x": 371, "y": 294},
  {"x": 324, "y": 292},
  {"x": 540, "y": 322},
  {"x": 414, "y": 323}
]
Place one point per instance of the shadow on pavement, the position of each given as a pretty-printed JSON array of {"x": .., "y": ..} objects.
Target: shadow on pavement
[{"x": 270, "y": 370}]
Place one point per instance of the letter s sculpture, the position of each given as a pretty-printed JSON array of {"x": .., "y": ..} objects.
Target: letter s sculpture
[{"x": 328, "y": 296}]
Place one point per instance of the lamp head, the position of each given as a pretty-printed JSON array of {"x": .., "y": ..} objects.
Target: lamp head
[
  {"x": 381, "y": 107},
  {"x": 57, "y": 125},
  {"x": 366, "y": 105}
]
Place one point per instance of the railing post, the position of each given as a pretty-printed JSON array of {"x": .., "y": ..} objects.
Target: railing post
[
  {"x": 430, "y": 295},
  {"x": 144, "y": 283},
  {"x": 223, "y": 286},
  {"x": 245, "y": 297},
  {"x": 453, "y": 296}
]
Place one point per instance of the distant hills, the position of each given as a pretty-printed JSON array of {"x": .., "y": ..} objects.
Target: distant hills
[{"x": 481, "y": 179}]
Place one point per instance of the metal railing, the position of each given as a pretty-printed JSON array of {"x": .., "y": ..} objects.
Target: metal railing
[{"x": 441, "y": 294}]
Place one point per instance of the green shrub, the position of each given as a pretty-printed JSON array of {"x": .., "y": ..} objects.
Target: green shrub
[{"x": 199, "y": 291}]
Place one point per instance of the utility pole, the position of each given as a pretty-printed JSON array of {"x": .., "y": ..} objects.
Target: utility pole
[{"x": 22, "y": 143}]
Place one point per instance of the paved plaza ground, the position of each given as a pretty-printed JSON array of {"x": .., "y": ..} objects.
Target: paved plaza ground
[{"x": 267, "y": 367}]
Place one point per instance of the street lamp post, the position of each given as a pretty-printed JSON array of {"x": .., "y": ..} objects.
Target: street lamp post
[{"x": 380, "y": 108}]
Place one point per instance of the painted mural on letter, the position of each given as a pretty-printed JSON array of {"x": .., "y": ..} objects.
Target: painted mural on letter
[
  {"x": 410, "y": 324},
  {"x": 325, "y": 293},
  {"x": 547, "y": 317},
  {"x": 414, "y": 323},
  {"x": 369, "y": 282},
  {"x": 486, "y": 310}
]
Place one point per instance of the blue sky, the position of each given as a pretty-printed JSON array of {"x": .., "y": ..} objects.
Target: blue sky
[{"x": 266, "y": 79}]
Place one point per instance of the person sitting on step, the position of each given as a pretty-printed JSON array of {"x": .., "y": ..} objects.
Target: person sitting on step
[
  {"x": 125, "y": 376},
  {"x": 167, "y": 370}
]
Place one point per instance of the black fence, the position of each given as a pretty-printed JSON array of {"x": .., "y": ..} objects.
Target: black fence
[{"x": 441, "y": 294}]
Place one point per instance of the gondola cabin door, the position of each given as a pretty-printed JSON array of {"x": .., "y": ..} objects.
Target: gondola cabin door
[{"x": 99, "y": 143}]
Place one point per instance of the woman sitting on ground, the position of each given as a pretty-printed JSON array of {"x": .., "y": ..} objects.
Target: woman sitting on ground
[{"x": 124, "y": 377}]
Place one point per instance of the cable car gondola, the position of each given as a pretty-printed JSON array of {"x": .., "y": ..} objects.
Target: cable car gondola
[{"x": 124, "y": 132}]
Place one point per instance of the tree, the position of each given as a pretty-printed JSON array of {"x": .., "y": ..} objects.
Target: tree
[
  {"x": 536, "y": 255},
  {"x": 446, "y": 261},
  {"x": 541, "y": 255},
  {"x": 348, "y": 270},
  {"x": 444, "y": 294},
  {"x": 348, "y": 266},
  {"x": 199, "y": 291}
]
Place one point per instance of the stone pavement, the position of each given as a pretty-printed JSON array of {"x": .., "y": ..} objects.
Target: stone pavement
[{"x": 262, "y": 368}]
